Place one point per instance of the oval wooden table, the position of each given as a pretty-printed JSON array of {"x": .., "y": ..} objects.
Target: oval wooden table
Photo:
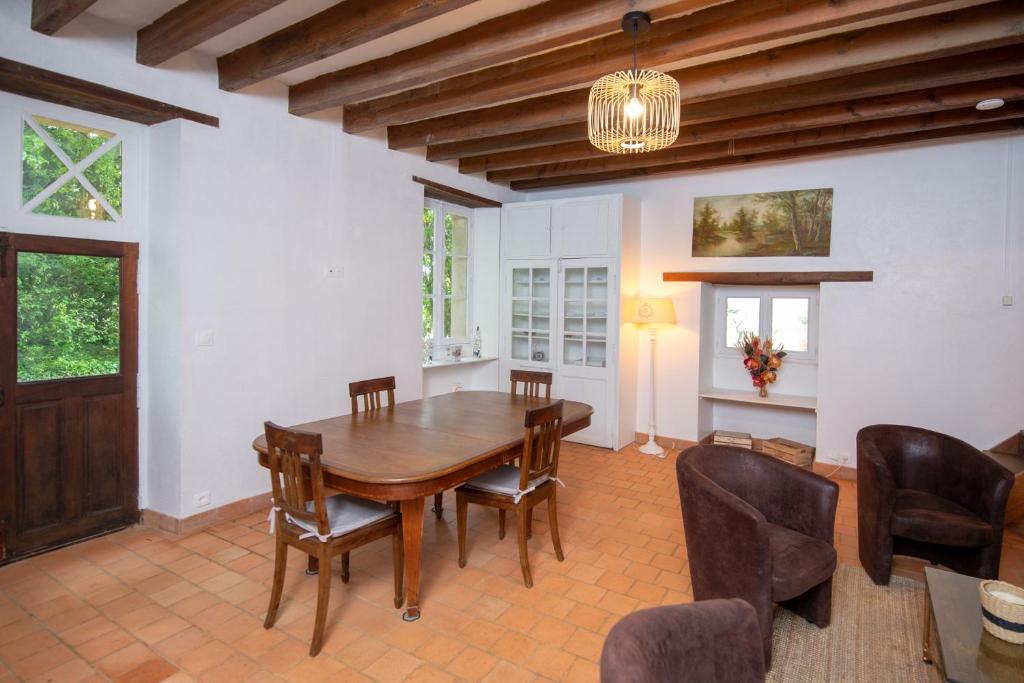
[{"x": 418, "y": 448}]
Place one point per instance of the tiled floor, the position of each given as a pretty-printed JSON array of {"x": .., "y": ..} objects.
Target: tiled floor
[{"x": 141, "y": 606}]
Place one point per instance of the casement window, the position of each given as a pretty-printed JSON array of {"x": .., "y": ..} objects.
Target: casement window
[
  {"x": 786, "y": 315},
  {"x": 446, "y": 274},
  {"x": 70, "y": 170}
]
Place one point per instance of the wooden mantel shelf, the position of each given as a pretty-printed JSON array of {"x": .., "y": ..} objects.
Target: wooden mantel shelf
[{"x": 771, "y": 278}]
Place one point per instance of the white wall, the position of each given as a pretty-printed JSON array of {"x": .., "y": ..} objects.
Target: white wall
[
  {"x": 928, "y": 342},
  {"x": 244, "y": 221}
]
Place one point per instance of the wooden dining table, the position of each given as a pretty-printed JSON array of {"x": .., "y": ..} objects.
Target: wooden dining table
[{"x": 415, "y": 449}]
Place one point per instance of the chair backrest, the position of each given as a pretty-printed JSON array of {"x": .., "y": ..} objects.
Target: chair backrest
[
  {"x": 294, "y": 458},
  {"x": 541, "y": 444},
  {"x": 532, "y": 382},
  {"x": 370, "y": 390}
]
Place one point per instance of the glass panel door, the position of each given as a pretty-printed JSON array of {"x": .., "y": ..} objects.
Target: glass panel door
[
  {"x": 531, "y": 314},
  {"x": 585, "y": 316}
]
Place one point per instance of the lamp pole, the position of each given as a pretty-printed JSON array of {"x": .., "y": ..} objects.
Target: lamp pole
[{"x": 652, "y": 447}]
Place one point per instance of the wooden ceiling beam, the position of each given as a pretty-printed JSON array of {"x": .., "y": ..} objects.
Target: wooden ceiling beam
[
  {"x": 1008, "y": 125},
  {"x": 334, "y": 30},
  {"x": 832, "y": 114},
  {"x": 572, "y": 132},
  {"x": 748, "y": 26},
  {"x": 192, "y": 23},
  {"x": 50, "y": 16},
  {"x": 563, "y": 109},
  {"x": 542, "y": 27}
]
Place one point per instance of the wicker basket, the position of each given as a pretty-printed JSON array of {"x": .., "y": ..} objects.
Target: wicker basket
[{"x": 1002, "y": 610}]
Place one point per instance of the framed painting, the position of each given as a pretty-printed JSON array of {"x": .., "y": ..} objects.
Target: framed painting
[{"x": 789, "y": 223}]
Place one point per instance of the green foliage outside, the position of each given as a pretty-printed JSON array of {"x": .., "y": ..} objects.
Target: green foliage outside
[
  {"x": 429, "y": 261},
  {"x": 41, "y": 167},
  {"x": 68, "y": 316}
]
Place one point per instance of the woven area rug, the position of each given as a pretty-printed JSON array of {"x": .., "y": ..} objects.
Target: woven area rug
[{"x": 875, "y": 635}]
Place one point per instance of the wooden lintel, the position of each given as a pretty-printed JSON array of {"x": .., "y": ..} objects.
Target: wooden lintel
[
  {"x": 772, "y": 278},
  {"x": 50, "y": 16},
  {"x": 50, "y": 86},
  {"x": 454, "y": 195}
]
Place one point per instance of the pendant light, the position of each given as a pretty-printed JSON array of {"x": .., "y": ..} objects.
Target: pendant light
[{"x": 630, "y": 112}]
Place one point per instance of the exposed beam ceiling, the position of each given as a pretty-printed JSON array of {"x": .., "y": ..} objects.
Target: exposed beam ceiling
[
  {"x": 334, "y": 30},
  {"x": 715, "y": 31},
  {"x": 513, "y": 36},
  {"x": 192, "y": 23},
  {"x": 50, "y": 16},
  {"x": 564, "y": 108}
]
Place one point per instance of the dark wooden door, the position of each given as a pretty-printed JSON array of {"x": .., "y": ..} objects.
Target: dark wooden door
[{"x": 68, "y": 390}]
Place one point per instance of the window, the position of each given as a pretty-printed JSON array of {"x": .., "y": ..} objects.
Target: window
[
  {"x": 786, "y": 315},
  {"x": 446, "y": 274},
  {"x": 70, "y": 170}
]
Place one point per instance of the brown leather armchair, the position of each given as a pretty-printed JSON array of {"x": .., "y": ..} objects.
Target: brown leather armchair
[
  {"x": 714, "y": 641},
  {"x": 928, "y": 495},
  {"x": 758, "y": 529}
]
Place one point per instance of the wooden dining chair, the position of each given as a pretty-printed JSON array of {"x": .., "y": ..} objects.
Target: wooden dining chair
[
  {"x": 322, "y": 527},
  {"x": 370, "y": 390},
  {"x": 520, "y": 489},
  {"x": 532, "y": 382}
]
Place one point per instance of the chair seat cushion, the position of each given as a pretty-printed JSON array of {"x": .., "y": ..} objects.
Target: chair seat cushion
[
  {"x": 504, "y": 480},
  {"x": 932, "y": 519},
  {"x": 346, "y": 513},
  {"x": 799, "y": 562}
]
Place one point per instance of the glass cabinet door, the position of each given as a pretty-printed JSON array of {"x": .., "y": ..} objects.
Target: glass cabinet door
[
  {"x": 531, "y": 314},
  {"x": 585, "y": 316}
]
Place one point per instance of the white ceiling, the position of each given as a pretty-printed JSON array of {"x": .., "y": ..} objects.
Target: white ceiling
[{"x": 134, "y": 15}]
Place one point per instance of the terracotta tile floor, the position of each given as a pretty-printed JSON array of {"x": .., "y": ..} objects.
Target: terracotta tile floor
[{"x": 140, "y": 606}]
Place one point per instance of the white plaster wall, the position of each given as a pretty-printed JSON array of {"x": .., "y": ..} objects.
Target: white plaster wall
[
  {"x": 243, "y": 221},
  {"x": 928, "y": 342}
]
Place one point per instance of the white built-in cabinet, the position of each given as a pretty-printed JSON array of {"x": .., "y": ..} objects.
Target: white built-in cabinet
[{"x": 567, "y": 264}]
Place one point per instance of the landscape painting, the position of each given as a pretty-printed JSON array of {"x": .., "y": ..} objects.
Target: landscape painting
[{"x": 791, "y": 223}]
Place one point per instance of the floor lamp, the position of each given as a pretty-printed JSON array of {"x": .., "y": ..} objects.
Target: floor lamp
[{"x": 649, "y": 313}]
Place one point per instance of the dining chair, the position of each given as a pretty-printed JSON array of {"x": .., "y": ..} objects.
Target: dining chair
[
  {"x": 370, "y": 390},
  {"x": 322, "y": 527},
  {"x": 519, "y": 489},
  {"x": 531, "y": 382}
]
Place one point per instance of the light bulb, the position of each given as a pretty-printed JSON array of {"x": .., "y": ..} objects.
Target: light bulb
[{"x": 634, "y": 109}]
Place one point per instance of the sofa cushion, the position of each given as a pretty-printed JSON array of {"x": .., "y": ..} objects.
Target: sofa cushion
[
  {"x": 929, "y": 518},
  {"x": 799, "y": 562}
]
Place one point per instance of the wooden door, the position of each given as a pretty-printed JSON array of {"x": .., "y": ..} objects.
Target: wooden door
[{"x": 68, "y": 390}]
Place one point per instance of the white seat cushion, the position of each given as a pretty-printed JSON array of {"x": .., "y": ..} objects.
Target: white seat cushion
[
  {"x": 346, "y": 513},
  {"x": 504, "y": 479}
]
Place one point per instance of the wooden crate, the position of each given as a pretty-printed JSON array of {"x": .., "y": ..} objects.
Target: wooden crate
[
  {"x": 792, "y": 452},
  {"x": 723, "y": 438},
  {"x": 1010, "y": 454}
]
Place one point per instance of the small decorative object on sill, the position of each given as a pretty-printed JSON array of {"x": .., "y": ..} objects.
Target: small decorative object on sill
[
  {"x": 761, "y": 361},
  {"x": 455, "y": 352},
  {"x": 428, "y": 348},
  {"x": 477, "y": 343},
  {"x": 1002, "y": 610},
  {"x": 793, "y": 452},
  {"x": 723, "y": 438}
]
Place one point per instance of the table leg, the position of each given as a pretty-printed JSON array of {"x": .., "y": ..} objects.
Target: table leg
[
  {"x": 926, "y": 642},
  {"x": 412, "y": 540}
]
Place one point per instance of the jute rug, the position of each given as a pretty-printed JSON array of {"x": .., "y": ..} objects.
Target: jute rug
[{"x": 875, "y": 636}]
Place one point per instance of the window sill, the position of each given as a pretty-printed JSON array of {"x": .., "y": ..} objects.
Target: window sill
[
  {"x": 772, "y": 400},
  {"x": 431, "y": 364}
]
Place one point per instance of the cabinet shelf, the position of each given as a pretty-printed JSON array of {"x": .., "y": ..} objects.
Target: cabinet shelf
[{"x": 809, "y": 403}]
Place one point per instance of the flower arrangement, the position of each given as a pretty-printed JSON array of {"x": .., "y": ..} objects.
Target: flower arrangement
[{"x": 761, "y": 361}]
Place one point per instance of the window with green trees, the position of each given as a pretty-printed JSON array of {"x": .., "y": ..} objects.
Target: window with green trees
[
  {"x": 68, "y": 316},
  {"x": 70, "y": 170},
  {"x": 445, "y": 273}
]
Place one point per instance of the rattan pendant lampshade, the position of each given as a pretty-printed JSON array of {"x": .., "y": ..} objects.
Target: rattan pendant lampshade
[{"x": 633, "y": 111}]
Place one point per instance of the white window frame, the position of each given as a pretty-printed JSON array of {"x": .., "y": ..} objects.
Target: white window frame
[
  {"x": 74, "y": 170},
  {"x": 440, "y": 209},
  {"x": 766, "y": 294}
]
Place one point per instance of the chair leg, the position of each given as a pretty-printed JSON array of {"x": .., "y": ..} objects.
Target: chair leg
[
  {"x": 280, "y": 564},
  {"x": 553, "y": 523},
  {"x": 312, "y": 566},
  {"x": 815, "y": 605},
  {"x": 524, "y": 558},
  {"x": 461, "y": 508},
  {"x": 529, "y": 523},
  {"x": 398, "y": 553},
  {"x": 439, "y": 505},
  {"x": 323, "y": 596},
  {"x": 344, "y": 567},
  {"x": 501, "y": 524}
]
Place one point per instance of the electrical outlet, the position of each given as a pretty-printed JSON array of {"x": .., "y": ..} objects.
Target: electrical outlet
[
  {"x": 844, "y": 458},
  {"x": 204, "y": 338},
  {"x": 201, "y": 499}
]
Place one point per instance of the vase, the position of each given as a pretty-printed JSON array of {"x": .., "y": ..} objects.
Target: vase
[{"x": 763, "y": 391}]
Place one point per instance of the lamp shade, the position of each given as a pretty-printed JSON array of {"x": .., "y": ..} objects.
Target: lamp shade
[
  {"x": 652, "y": 311},
  {"x": 631, "y": 112}
]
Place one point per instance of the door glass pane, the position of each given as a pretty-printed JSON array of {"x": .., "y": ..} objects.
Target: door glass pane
[
  {"x": 521, "y": 283},
  {"x": 76, "y": 141},
  {"x": 789, "y": 324},
  {"x": 39, "y": 165},
  {"x": 68, "y": 316},
  {"x": 539, "y": 349},
  {"x": 742, "y": 315},
  {"x": 455, "y": 318},
  {"x": 428, "y": 229},
  {"x": 457, "y": 269},
  {"x": 456, "y": 234},
  {"x": 572, "y": 351},
  {"x": 428, "y": 317},
  {"x": 105, "y": 176}
]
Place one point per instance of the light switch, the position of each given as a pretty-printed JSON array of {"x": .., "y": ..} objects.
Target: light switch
[
  {"x": 1007, "y": 300},
  {"x": 204, "y": 338}
]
